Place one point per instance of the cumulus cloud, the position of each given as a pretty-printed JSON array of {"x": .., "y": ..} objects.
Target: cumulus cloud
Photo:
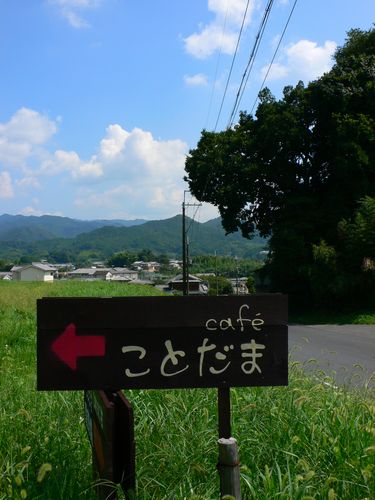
[
  {"x": 198, "y": 80},
  {"x": 69, "y": 161},
  {"x": 6, "y": 187},
  {"x": 28, "y": 126},
  {"x": 310, "y": 59},
  {"x": 305, "y": 60},
  {"x": 147, "y": 174},
  {"x": 212, "y": 37},
  {"x": 22, "y": 135},
  {"x": 130, "y": 171},
  {"x": 113, "y": 144}
]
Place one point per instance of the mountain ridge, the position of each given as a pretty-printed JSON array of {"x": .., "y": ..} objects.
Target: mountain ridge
[
  {"x": 34, "y": 228},
  {"x": 160, "y": 236}
]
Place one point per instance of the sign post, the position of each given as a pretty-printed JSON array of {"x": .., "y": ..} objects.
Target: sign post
[
  {"x": 110, "y": 428},
  {"x": 163, "y": 343}
]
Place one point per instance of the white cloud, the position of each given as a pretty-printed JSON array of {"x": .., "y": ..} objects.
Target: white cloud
[
  {"x": 69, "y": 161},
  {"x": 114, "y": 143},
  {"x": 232, "y": 10},
  {"x": 22, "y": 135},
  {"x": 28, "y": 126},
  {"x": 6, "y": 187},
  {"x": 310, "y": 60},
  {"x": 197, "y": 80},
  {"x": 305, "y": 60},
  {"x": 71, "y": 10},
  {"x": 145, "y": 174},
  {"x": 213, "y": 37},
  {"x": 130, "y": 171},
  {"x": 30, "y": 210},
  {"x": 74, "y": 19},
  {"x": 28, "y": 181},
  {"x": 276, "y": 72}
]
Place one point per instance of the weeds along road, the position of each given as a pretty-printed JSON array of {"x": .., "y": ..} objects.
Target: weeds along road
[{"x": 344, "y": 352}]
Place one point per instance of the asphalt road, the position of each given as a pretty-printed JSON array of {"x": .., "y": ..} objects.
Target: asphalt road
[{"x": 344, "y": 352}]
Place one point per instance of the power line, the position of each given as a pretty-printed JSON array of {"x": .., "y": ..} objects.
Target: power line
[
  {"x": 251, "y": 60},
  {"x": 233, "y": 59},
  {"x": 274, "y": 55},
  {"x": 217, "y": 67}
]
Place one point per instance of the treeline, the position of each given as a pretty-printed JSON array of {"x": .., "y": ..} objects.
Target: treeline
[
  {"x": 301, "y": 171},
  {"x": 230, "y": 267}
]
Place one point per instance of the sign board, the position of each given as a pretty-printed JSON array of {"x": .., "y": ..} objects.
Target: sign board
[
  {"x": 110, "y": 428},
  {"x": 162, "y": 342}
]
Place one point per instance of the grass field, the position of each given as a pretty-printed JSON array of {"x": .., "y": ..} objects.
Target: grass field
[{"x": 304, "y": 441}]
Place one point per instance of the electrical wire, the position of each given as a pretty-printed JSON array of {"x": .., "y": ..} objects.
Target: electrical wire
[
  {"x": 217, "y": 67},
  {"x": 231, "y": 67},
  {"x": 251, "y": 60},
  {"x": 274, "y": 55}
]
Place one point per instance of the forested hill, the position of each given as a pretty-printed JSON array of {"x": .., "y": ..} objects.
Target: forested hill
[
  {"x": 163, "y": 236},
  {"x": 34, "y": 228}
]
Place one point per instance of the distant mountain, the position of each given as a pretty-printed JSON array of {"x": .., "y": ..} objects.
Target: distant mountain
[
  {"x": 161, "y": 236},
  {"x": 32, "y": 228}
]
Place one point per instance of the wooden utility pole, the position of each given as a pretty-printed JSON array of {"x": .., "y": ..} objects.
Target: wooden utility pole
[
  {"x": 185, "y": 244},
  {"x": 184, "y": 273}
]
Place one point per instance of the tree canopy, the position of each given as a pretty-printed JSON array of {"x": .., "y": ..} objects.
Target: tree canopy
[{"x": 299, "y": 166}]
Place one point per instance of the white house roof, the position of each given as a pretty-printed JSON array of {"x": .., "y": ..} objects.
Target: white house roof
[
  {"x": 179, "y": 279},
  {"x": 43, "y": 267},
  {"x": 37, "y": 265},
  {"x": 119, "y": 270},
  {"x": 84, "y": 270}
]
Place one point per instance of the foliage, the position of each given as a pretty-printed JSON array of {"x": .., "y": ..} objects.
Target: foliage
[
  {"x": 5, "y": 265},
  {"x": 227, "y": 266},
  {"x": 122, "y": 259},
  {"x": 250, "y": 283},
  {"x": 218, "y": 285},
  {"x": 299, "y": 167},
  {"x": 347, "y": 271}
]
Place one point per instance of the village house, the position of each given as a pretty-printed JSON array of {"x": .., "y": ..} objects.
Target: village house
[
  {"x": 104, "y": 274},
  {"x": 151, "y": 267},
  {"x": 36, "y": 271},
  {"x": 196, "y": 285}
]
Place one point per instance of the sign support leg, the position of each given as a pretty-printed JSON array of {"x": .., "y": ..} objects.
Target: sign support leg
[
  {"x": 229, "y": 468},
  {"x": 223, "y": 405},
  {"x": 228, "y": 465}
]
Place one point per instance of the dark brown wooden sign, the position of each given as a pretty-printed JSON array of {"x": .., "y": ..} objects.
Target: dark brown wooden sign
[
  {"x": 162, "y": 342},
  {"x": 110, "y": 427}
]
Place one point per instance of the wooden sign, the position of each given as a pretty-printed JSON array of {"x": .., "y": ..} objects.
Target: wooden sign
[
  {"x": 110, "y": 428},
  {"x": 162, "y": 342}
]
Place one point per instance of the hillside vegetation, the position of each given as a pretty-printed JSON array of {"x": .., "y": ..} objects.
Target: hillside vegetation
[
  {"x": 34, "y": 228},
  {"x": 161, "y": 237}
]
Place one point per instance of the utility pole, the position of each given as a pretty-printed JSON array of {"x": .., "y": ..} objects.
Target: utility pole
[
  {"x": 185, "y": 246},
  {"x": 184, "y": 281}
]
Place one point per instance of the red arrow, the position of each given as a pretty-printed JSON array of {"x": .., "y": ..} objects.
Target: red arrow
[{"x": 68, "y": 346}]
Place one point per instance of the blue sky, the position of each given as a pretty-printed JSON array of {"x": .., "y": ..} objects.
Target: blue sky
[{"x": 101, "y": 100}]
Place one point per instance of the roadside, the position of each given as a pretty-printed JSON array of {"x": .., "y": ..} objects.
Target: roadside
[{"x": 346, "y": 353}]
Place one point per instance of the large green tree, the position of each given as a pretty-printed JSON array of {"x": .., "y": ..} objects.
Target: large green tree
[{"x": 300, "y": 166}]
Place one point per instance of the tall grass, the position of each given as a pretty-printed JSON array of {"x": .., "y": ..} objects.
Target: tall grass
[{"x": 308, "y": 440}]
